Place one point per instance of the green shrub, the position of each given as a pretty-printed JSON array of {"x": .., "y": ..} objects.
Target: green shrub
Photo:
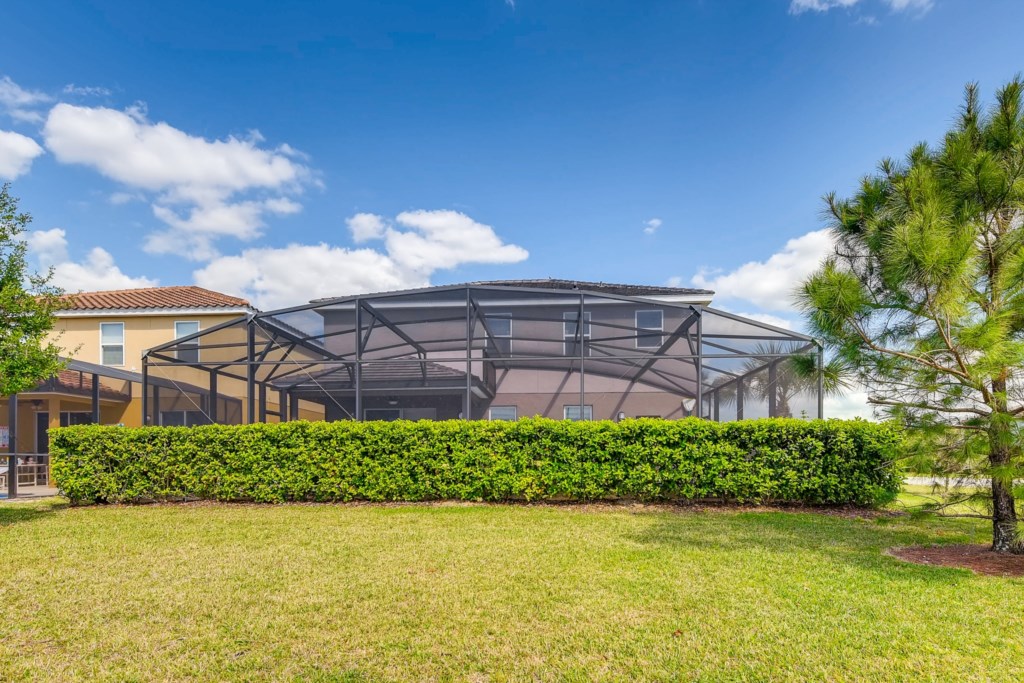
[{"x": 773, "y": 460}]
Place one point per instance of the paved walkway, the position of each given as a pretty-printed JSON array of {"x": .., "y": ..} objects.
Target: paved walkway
[{"x": 30, "y": 493}]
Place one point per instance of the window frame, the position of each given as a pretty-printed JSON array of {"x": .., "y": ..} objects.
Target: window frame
[
  {"x": 188, "y": 347},
  {"x": 568, "y": 339},
  {"x": 499, "y": 316},
  {"x": 649, "y": 331},
  {"x": 587, "y": 408},
  {"x": 103, "y": 345},
  {"x": 515, "y": 414}
]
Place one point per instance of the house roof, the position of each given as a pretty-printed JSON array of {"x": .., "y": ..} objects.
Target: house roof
[
  {"x": 602, "y": 287},
  {"x": 563, "y": 285},
  {"x": 177, "y": 297}
]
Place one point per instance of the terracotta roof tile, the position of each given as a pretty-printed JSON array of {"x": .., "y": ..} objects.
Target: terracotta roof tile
[{"x": 187, "y": 296}]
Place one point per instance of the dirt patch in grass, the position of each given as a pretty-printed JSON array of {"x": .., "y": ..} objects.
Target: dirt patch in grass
[{"x": 978, "y": 558}]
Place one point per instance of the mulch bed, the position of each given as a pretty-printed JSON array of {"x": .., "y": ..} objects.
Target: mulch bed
[{"x": 978, "y": 558}]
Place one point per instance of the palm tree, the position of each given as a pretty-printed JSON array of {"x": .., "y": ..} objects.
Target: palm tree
[{"x": 792, "y": 377}]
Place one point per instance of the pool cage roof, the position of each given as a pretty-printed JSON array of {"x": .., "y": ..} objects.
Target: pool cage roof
[{"x": 459, "y": 340}]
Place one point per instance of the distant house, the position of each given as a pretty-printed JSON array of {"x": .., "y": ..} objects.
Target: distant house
[{"x": 105, "y": 335}]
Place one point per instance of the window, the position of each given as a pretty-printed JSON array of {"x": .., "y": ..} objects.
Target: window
[
  {"x": 182, "y": 418},
  {"x": 112, "y": 343},
  {"x": 569, "y": 332},
  {"x": 189, "y": 351},
  {"x": 573, "y": 413},
  {"x": 384, "y": 414},
  {"x": 647, "y": 324},
  {"x": 75, "y": 418},
  {"x": 502, "y": 413},
  {"x": 500, "y": 324}
]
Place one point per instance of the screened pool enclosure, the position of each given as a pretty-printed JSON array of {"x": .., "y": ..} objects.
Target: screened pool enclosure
[{"x": 482, "y": 351}]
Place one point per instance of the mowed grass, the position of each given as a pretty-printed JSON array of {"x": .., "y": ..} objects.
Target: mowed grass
[{"x": 477, "y": 593}]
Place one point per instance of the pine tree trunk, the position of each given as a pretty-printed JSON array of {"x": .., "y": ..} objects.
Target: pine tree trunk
[{"x": 1001, "y": 451}]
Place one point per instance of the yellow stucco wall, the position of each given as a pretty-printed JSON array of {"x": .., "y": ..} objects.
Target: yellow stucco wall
[{"x": 80, "y": 336}]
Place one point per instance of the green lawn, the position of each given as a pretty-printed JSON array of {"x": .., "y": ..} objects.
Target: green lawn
[{"x": 476, "y": 593}]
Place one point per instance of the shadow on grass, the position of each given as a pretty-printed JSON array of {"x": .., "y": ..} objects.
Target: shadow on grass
[
  {"x": 857, "y": 542},
  {"x": 26, "y": 511}
]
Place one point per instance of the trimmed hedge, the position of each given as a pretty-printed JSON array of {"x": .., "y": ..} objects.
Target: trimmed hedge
[{"x": 821, "y": 462}]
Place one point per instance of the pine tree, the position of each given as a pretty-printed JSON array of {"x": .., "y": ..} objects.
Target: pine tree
[{"x": 924, "y": 295}]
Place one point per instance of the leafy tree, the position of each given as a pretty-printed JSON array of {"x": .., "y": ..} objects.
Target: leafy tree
[
  {"x": 27, "y": 303},
  {"x": 924, "y": 295}
]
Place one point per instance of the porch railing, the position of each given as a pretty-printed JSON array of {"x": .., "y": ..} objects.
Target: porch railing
[{"x": 33, "y": 470}]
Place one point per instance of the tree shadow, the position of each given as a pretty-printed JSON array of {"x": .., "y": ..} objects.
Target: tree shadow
[
  {"x": 20, "y": 512},
  {"x": 858, "y": 542}
]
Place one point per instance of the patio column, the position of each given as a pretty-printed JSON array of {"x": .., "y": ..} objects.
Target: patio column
[
  {"x": 773, "y": 397},
  {"x": 250, "y": 382},
  {"x": 12, "y": 449},
  {"x": 739, "y": 398},
  {"x": 95, "y": 399},
  {"x": 53, "y": 407},
  {"x": 211, "y": 406},
  {"x": 821, "y": 383},
  {"x": 282, "y": 405}
]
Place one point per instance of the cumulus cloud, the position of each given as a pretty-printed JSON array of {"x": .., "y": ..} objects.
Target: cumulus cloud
[
  {"x": 16, "y": 154},
  {"x": 769, "y": 284},
  {"x": 415, "y": 245},
  {"x": 651, "y": 226},
  {"x": 445, "y": 239},
  {"x": 366, "y": 226},
  {"x": 97, "y": 271},
  {"x": 203, "y": 190},
  {"x": 21, "y": 104}
]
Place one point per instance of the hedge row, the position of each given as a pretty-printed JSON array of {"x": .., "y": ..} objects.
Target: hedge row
[{"x": 771, "y": 460}]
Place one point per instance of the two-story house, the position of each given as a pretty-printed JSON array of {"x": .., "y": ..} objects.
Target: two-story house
[{"x": 104, "y": 335}]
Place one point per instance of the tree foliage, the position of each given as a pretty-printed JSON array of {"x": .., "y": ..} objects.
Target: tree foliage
[
  {"x": 924, "y": 296},
  {"x": 27, "y": 303}
]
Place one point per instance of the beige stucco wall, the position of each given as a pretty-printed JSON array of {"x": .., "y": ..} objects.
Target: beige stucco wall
[{"x": 79, "y": 336}]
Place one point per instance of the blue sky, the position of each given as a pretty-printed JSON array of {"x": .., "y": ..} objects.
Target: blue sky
[{"x": 290, "y": 150}]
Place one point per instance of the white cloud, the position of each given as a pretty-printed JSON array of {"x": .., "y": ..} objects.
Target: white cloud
[
  {"x": 851, "y": 404},
  {"x": 415, "y": 245},
  {"x": 770, "y": 284},
  {"x": 920, "y": 6},
  {"x": 21, "y": 104},
  {"x": 366, "y": 226},
  {"x": 120, "y": 198},
  {"x": 801, "y": 6},
  {"x": 674, "y": 281},
  {"x": 203, "y": 189},
  {"x": 769, "y": 319},
  {"x": 445, "y": 239},
  {"x": 97, "y": 271},
  {"x": 651, "y": 226},
  {"x": 16, "y": 154},
  {"x": 86, "y": 90}
]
